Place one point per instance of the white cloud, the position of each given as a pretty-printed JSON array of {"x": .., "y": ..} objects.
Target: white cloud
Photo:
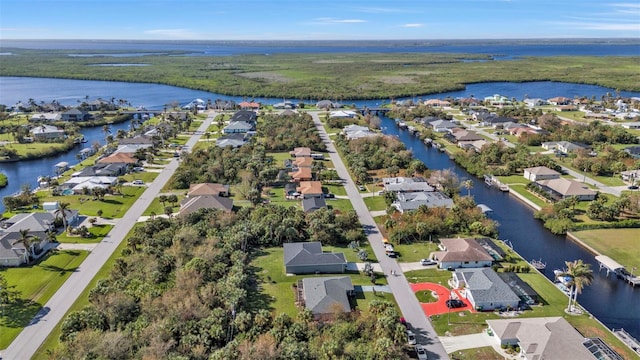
[
  {"x": 328, "y": 20},
  {"x": 601, "y": 25},
  {"x": 412, "y": 25},
  {"x": 173, "y": 33}
]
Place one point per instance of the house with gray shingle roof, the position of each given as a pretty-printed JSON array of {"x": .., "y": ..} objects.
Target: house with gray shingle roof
[
  {"x": 442, "y": 125},
  {"x": 565, "y": 188},
  {"x": 39, "y": 224},
  {"x": 540, "y": 173},
  {"x": 413, "y": 200},
  {"x": 327, "y": 295},
  {"x": 485, "y": 289},
  {"x": 311, "y": 204},
  {"x": 308, "y": 258},
  {"x": 462, "y": 253},
  {"x": 549, "y": 338}
]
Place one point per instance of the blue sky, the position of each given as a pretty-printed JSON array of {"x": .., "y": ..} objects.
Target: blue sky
[{"x": 317, "y": 20}]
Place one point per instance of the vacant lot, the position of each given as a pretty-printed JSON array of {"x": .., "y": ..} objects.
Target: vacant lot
[{"x": 622, "y": 245}]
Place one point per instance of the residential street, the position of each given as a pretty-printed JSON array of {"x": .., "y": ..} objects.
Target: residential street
[
  {"x": 32, "y": 337},
  {"x": 409, "y": 306}
]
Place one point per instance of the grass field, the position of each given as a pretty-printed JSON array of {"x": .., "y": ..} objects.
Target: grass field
[
  {"x": 522, "y": 190},
  {"x": 375, "y": 203},
  {"x": 622, "y": 245},
  {"x": 113, "y": 206},
  {"x": 99, "y": 232},
  {"x": 36, "y": 284}
]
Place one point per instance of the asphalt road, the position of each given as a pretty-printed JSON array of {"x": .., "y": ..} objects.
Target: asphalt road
[
  {"x": 409, "y": 305},
  {"x": 31, "y": 338}
]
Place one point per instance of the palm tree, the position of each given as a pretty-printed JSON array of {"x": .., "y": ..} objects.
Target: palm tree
[
  {"x": 580, "y": 275},
  {"x": 61, "y": 211},
  {"x": 106, "y": 129},
  {"x": 468, "y": 184},
  {"x": 25, "y": 239}
]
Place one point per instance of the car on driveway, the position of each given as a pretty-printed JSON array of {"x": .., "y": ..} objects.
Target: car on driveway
[
  {"x": 411, "y": 337},
  {"x": 455, "y": 303},
  {"x": 361, "y": 188},
  {"x": 632, "y": 187},
  {"x": 427, "y": 262},
  {"x": 138, "y": 182},
  {"x": 422, "y": 353}
]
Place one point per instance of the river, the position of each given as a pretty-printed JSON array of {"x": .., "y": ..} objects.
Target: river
[{"x": 615, "y": 303}]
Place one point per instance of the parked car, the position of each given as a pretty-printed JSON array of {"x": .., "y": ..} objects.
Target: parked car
[
  {"x": 138, "y": 182},
  {"x": 138, "y": 169},
  {"x": 426, "y": 262},
  {"x": 632, "y": 187},
  {"x": 329, "y": 196},
  {"x": 422, "y": 353},
  {"x": 455, "y": 303},
  {"x": 411, "y": 337},
  {"x": 361, "y": 188}
]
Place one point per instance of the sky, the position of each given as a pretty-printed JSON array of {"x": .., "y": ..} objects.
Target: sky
[{"x": 318, "y": 20}]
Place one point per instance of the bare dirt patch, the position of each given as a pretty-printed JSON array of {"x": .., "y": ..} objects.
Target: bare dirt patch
[{"x": 266, "y": 75}]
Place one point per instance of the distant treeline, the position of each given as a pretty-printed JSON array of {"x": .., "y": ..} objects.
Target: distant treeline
[{"x": 339, "y": 77}]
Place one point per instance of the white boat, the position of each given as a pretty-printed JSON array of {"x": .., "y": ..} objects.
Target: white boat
[
  {"x": 557, "y": 273},
  {"x": 538, "y": 264}
]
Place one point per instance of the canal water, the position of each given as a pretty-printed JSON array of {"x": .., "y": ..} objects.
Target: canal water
[
  {"x": 615, "y": 303},
  {"x": 611, "y": 300}
]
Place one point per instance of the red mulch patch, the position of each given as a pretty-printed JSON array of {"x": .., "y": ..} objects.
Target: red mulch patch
[{"x": 440, "y": 306}]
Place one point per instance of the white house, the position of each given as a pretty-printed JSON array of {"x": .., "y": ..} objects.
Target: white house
[
  {"x": 540, "y": 173},
  {"x": 485, "y": 290},
  {"x": 461, "y": 253}
]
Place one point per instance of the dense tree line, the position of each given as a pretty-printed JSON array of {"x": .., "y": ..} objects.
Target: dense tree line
[
  {"x": 374, "y": 153},
  {"x": 185, "y": 289},
  {"x": 286, "y": 132},
  {"x": 497, "y": 159},
  {"x": 420, "y": 225}
]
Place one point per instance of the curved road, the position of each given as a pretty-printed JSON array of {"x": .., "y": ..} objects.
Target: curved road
[
  {"x": 35, "y": 333},
  {"x": 406, "y": 299}
]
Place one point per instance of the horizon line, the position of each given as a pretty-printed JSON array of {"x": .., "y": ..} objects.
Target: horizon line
[{"x": 339, "y": 40}]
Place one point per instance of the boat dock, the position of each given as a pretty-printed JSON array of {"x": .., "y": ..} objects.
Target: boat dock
[
  {"x": 613, "y": 266},
  {"x": 626, "y": 338},
  {"x": 491, "y": 180}
]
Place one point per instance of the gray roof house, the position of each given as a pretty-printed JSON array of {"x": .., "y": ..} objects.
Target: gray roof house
[
  {"x": 47, "y": 132},
  {"x": 308, "y": 258},
  {"x": 564, "y": 188},
  {"x": 549, "y": 338},
  {"x": 234, "y": 140},
  {"x": 442, "y": 125},
  {"x": 75, "y": 114},
  {"x": 38, "y": 224},
  {"x": 195, "y": 203},
  {"x": 406, "y": 184},
  {"x": 413, "y": 200},
  {"x": 239, "y": 127},
  {"x": 311, "y": 204},
  {"x": 633, "y": 151},
  {"x": 485, "y": 289},
  {"x": 540, "y": 173},
  {"x": 327, "y": 295}
]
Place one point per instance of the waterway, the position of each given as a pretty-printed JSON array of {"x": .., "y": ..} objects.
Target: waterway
[{"x": 613, "y": 302}]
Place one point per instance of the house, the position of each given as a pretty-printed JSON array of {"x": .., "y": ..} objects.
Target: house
[
  {"x": 311, "y": 204},
  {"x": 342, "y": 114},
  {"x": 437, "y": 103},
  {"x": 327, "y": 295},
  {"x": 46, "y": 117},
  {"x": 495, "y": 121},
  {"x": 540, "y": 173},
  {"x": 442, "y": 125},
  {"x": 406, "y": 184},
  {"x": 328, "y": 104},
  {"x": 14, "y": 253},
  {"x": 300, "y": 152},
  {"x": 352, "y": 132},
  {"x": 137, "y": 140},
  {"x": 476, "y": 145},
  {"x": 535, "y": 102},
  {"x": 213, "y": 189},
  {"x": 233, "y": 140},
  {"x": 560, "y": 100},
  {"x": 75, "y": 114},
  {"x": 119, "y": 158},
  {"x": 47, "y": 133},
  {"x": 462, "y": 253},
  {"x": 309, "y": 189},
  {"x": 284, "y": 105},
  {"x": 463, "y": 135},
  {"x": 497, "y": 100},
  {"x": 485, "y": 290},
  {"x": 302, "y": 161},
  {"x": 239, "y": 127},
  {"x": 549, "y": 338},
  {"x": 132, "y": 148},
  {"x": 80, "y": 183},
  {"x": 563, "y": 146},
  {"x": 301, "y": 174},
  {"x": 252, "y": 105},
  {"x": 195, "y": 203},
  {"x": 102, "y": 169},
  {"x": 519, "y": 131},
  {"x": 564, "y": 188},
  {"x": 631, "y": 176},
  {"x": 413, "y": 200},
  {"x": 633, "y": 151},
  {"x": 308, "y": 258}
]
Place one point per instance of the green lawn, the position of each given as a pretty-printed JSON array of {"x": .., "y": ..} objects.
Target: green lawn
[
  {"x": 336, "y": 189},
  {"x": 606, "y": 180},
  {"x": 375, "y": 203},
  {"x": 99, "y": 232},
  {"x": 113, "y": 206},
  {"x": 513, "y": 179},
  {"x": 36, "y": 284},
  {"x": 342, "y": 205},
  {"x": 157, "y": 207},
  {"x": 414, "y": 251},
  {"x": 482, "y": 353},
  {"x": 522, "y": 190},
  {"x": 622, "y": 245},
  {"x": 146, "y": 176}
]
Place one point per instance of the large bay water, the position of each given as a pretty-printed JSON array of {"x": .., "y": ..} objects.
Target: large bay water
[{"x": 611, "y": 301}]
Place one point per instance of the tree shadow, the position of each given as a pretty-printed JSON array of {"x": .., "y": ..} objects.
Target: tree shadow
[
  {"x": 58, "y": 269},
  {"x": 19, "y": 313}
]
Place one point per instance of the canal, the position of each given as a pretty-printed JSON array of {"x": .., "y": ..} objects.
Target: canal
[{"x": 612, "y": 301}]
